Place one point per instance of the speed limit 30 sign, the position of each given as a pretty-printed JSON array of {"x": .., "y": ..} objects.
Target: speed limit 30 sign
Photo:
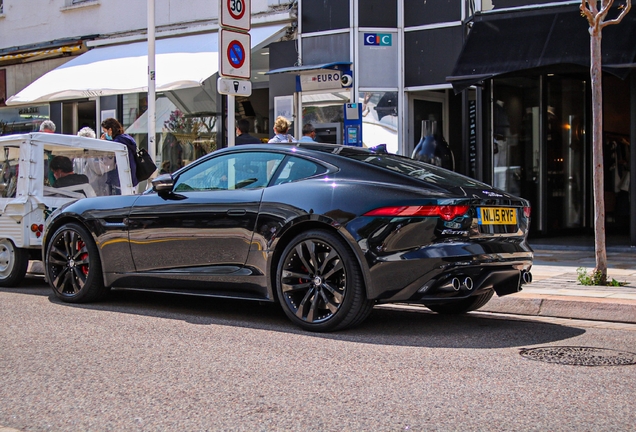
[{"x": 235, "y": 14}]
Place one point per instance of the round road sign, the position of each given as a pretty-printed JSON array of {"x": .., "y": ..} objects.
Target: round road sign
[
  {"x": 236, "y": 8},
  {"x": 236, "y": 54}
]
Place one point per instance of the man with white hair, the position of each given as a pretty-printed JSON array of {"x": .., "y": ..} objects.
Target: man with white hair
[{"x": 47, "y": 126}]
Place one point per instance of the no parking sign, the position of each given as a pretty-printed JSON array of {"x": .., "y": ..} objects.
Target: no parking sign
[{"x": 235, "y": 54}]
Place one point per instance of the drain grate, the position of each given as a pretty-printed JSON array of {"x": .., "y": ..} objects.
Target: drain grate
[{"x": 580, "y": 356}]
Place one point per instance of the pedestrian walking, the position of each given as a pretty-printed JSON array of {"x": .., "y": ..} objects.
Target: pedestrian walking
[
  {"x": 281, "y": 126},
  {"x": 242, "y": 135},
  {"x": 309, "y": 133},
  {"x": 112, "y": 130}
]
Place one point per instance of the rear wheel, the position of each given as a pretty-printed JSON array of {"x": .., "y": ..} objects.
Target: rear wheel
[
  {"x": 13, "y": 263},
  {"x": 319, "y": 283},
  {"x": 72, "y": 265},
  {"x": 462, "y": 306}
]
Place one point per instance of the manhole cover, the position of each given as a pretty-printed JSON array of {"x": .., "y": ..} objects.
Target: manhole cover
[{"x": 580, "y": 356}]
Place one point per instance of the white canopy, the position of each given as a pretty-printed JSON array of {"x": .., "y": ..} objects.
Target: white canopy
[
  {"x": 163, "y": 109},
  {"x": 180, "y": 62}
]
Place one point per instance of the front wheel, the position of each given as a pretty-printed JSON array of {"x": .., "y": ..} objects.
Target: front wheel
[
  {"x": 462, "y": 306},
  {"x": 72, "y": 265},
  {"x": 319, "y": 283},
  {"x": 14, "y": 262}
]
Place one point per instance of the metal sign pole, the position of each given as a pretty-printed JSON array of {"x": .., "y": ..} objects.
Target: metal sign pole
[
  {"x": 231, "y": 120},
  {"x": 152, "y": 117}
]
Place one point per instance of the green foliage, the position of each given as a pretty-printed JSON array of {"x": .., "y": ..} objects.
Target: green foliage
[{"x": 595, "y": 278}]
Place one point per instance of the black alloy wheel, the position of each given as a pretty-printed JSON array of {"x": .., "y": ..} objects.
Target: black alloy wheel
[
  {"x": 72, "y": 265},
  {"x": 319, "y": 283},
  {"x": 462, "y": 306}
]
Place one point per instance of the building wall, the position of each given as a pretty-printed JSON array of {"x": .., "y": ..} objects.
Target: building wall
[
  {"x": 21, "y": 75},
  {"x": 27, "y": 22}
]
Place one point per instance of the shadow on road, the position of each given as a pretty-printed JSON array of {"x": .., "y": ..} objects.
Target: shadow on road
[{"x": 383, "y": 327}]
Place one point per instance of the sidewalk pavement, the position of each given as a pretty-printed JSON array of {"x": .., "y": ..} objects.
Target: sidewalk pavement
[{"x": 556, "y": 292}]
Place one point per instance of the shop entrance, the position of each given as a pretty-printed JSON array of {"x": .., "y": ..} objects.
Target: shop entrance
[
  {"x": 540, "y": 149},
  {"x": 76, "y": 115}
]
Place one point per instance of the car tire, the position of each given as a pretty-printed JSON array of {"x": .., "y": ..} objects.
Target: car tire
[
  {"x": 14, "y": 262},
  {"x": 462, "y": 306},
  {"x": 72, "y": 265},
  {"x": 319, "y": 283}
]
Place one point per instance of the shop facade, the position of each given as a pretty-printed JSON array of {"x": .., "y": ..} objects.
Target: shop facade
[{"x": 507, "y": 86}]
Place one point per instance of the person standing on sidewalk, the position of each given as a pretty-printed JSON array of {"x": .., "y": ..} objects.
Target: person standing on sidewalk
[
  {"x": 281, "y": 126},
  {"x": 47, "y": 126},
  {"x": 309, "y": 133},
  {"x": 242, "y": 135},
  {"x": 112, "y": 130}
]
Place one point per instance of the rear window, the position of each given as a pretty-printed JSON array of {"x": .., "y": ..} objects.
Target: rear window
[{"x": 412, "y": 168}]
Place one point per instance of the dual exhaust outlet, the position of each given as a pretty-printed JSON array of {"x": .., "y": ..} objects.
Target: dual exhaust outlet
[{"x": 467, "y": 283}]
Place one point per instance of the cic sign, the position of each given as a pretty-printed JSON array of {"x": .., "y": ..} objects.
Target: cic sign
[{"x": 378, "y": 39}]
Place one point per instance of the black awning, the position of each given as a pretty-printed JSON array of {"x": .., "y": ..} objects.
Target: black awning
[{"x": 502, "y": 44}]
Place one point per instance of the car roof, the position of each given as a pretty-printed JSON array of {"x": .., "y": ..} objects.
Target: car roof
[{"x": 336, "y": 149}]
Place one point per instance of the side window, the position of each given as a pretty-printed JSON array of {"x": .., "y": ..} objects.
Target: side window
[
  {"x": 248, "y": 170},
  {"x": 9, "y": 171},
  {"x": 297, "y": 168}
]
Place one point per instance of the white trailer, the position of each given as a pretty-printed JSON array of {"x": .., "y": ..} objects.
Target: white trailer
[{"x": 28, "y": 195}]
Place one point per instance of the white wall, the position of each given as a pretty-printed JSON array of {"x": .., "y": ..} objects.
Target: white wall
[{"x": 27, "y": 22}]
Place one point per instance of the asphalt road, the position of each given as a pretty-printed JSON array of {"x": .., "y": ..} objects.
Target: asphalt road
[{"x": 155, "y": 362}]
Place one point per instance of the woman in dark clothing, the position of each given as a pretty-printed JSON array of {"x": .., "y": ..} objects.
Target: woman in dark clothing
[{"x": 112, "y": 130}]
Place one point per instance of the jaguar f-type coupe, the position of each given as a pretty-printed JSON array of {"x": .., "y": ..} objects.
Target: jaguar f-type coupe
[{"x": 327, "y": 231}]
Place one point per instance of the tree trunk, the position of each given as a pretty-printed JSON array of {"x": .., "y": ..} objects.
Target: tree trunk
[{"x": 597, "y": 152}]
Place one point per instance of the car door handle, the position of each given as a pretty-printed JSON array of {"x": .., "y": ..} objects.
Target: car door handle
[{"x": 237, "y": 212}]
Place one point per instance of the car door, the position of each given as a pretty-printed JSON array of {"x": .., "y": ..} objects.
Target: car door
[{"x": 204, "y": 226}]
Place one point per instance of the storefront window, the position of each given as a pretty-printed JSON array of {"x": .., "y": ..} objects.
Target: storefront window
[
  {"x": 516, "y": 137},
  {"x": 549, "y": 166},
  {"x": 380, "y": 119},
  {"x": 22, "y": 120},
  {"x": 180, "y": 139},
  {"x": 566, "y": 152}
]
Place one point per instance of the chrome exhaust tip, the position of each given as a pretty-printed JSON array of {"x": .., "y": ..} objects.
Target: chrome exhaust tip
[
  {"x": 468, "y": 283},
  {"x": 526, "y": 277},
  {"x": 456, "y": 283}
]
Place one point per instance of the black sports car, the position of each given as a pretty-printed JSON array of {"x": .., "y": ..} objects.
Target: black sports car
[{"x": 328, "y": 231}]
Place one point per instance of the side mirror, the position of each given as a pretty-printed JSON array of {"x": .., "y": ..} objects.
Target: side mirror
[{"x": 163, "y": 183}]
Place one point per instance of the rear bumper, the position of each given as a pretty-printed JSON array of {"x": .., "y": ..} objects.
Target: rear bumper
[{"x": 427, "y": 274}]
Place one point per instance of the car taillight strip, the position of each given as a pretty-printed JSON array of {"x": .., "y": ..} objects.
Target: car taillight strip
[{"x": 446, "y": 212}]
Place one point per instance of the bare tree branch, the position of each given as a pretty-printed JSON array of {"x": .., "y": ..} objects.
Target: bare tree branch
[{"x": 625, "y": 9}]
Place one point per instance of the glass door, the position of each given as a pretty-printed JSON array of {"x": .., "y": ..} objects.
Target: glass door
[
  {"x": 566, "y": 153},
  {"x": 516, "y": 141}
]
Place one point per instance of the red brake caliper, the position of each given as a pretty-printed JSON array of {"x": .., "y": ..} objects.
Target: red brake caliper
[{"x": 80, "y": 245}]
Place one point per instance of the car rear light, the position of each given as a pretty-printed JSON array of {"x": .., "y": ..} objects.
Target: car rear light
[
  {"x": 527, "y": 211},
  {"x": 446, "y": 212}
]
